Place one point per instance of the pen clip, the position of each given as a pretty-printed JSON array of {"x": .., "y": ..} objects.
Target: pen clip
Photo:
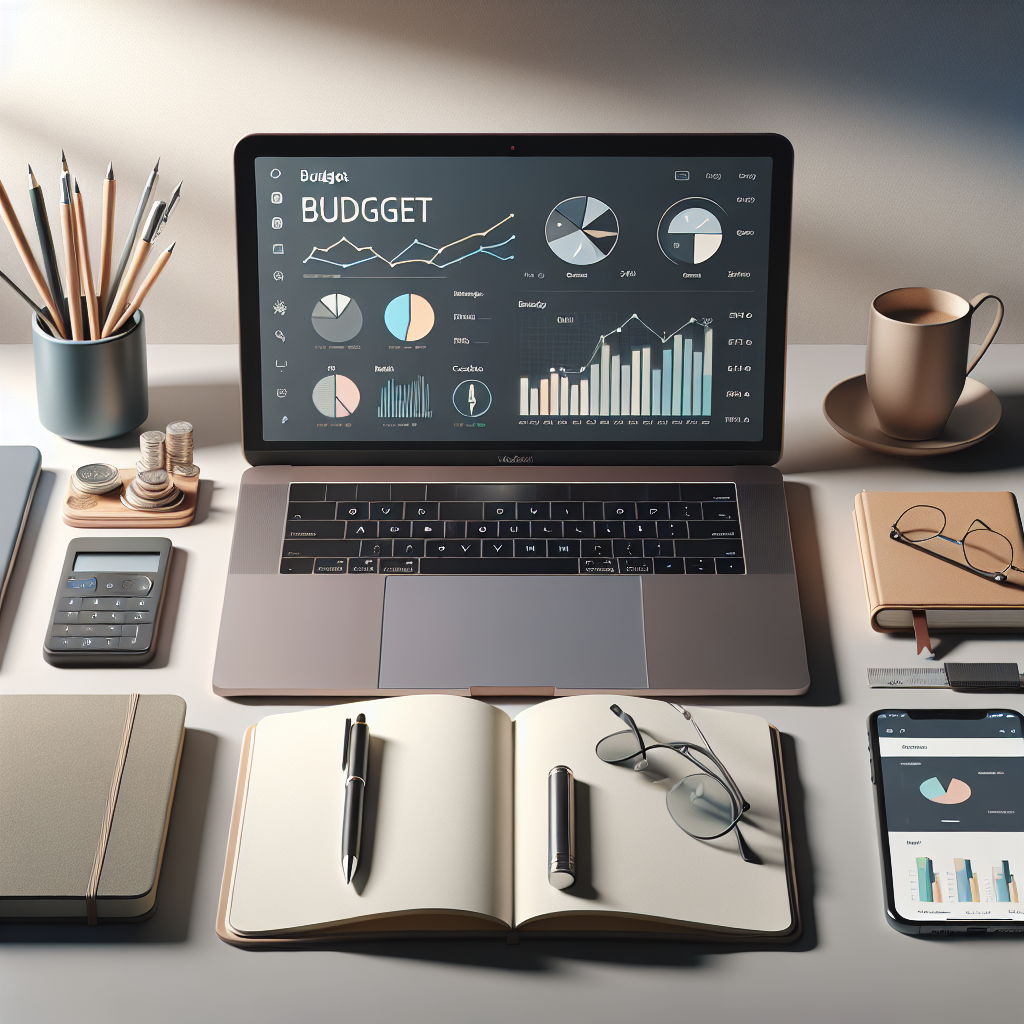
[{"x": 348, "y": 740}]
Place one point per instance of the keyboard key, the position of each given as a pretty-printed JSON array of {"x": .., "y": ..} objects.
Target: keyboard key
[
  {"x": 563, "y": 549},
  {"x": 508, "y": 493},
  {"x": 441, "y": 549},
  {"x": 360, "y": 529},
  {"x": 362, "y": 565},
  {"x": 481, "y": 529},
  {"x": 637, "y": 528},
  {"x": 709, "y": 549},
  {"x": 296, "y": 566},
  {"x": 618, "y": 510},
  {"x": 373, "y": 492},
  {"x": 498, "y": 548},
  {"x": 670, "y": 565},
  {"x": 467, "y": 548},
  {"x": 720, "y": 510},
  {"x": 712, "y": 530},
  {"x": 628, "y": 548},
  {"x": 729, "y": 566},
  {"x": 409, "y": 548},
  {"x": 593, "y": 510},
  {"x": 312, "y": 530},
  {"x": 374, "y": 549},
  {"x": 421, "y": 511},
  {"x": 386, "y": 509},
  {"x": 533, "y": 510},
  {"x": 339, "y": 492},
  {"x": 408, "y": 492},
  {"x": 462, "y": 510},
  {"x": 672, "y": 528},
  {"x": 652, "y": 510},
  {"x": 308, "y": 492},
  {"x": 579, "y": 529},
  {"x": 685, "y": 510},
  {"x": 500, "y": 566},
  {"x": 609, "y": 492},
  {"x": 635, "y": 566},
  {"x": 697, "y": 566},
  {"x": 330, "y": 565},
  {"x": 597, "y": 548},
  {"x": 707, "y": 492},
  {"x": 516, "y": 529},
  {"x": 399, "y": 566},
  {"x": 320, "y": 548},
  {"x": 303, "y": 510},
  {"x": 530, "y": 548},
  {"x": 499, "y": 510},
  {"x": 354, "y": 510},
  {"x": 605, "y": 529},
  {"x": 657, "y": 548},
  {"x": 598, "y": 566},
  {"x": 567, "y": 510},
  {"x": 545, "y": 529},
  {"x": 390, "y": 529},
  {"x": 432, "y": 529},
  {"x": 457, "y": 529}
]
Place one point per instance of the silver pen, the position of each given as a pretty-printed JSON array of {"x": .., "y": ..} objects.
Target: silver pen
[{"x": 129, "y": 244}]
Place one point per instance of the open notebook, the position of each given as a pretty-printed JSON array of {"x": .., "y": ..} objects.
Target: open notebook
[{"x": 455, "y": 827}]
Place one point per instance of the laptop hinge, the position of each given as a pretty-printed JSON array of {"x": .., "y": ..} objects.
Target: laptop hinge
[{"x": 512, "y": 691}]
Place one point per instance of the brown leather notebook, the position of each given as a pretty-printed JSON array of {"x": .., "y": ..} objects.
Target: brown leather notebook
[{"x": 901, "y": 580}]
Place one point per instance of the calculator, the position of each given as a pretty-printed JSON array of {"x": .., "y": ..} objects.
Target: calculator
[{"x": 108, "y": 603}]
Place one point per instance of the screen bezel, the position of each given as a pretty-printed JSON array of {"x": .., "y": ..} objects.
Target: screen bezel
[
  {"x": 259, "y": 451},
  {"x": 902, "y": 923}
]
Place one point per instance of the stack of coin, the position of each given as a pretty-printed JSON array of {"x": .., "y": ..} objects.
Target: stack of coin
[
  {"x": 152, "y": 490},
  {"x": 96, "y": 478},
  {"x": 178, "y": 444},
  {"x": 152, "y": 445}
]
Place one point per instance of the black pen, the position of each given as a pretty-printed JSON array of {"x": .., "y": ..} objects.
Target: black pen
[
  {"x": 46, "y": 246},
  {"x": 357, "y": 753}
]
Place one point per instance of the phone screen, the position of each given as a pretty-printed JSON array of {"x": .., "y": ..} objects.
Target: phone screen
[{"x": 952, "y": 804}]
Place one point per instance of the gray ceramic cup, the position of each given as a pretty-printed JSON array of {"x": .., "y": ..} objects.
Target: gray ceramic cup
[
  {"x": 92, "y": 390},
  {"x": 917, "y": 358}
]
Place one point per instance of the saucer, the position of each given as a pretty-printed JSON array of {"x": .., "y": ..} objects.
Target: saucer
[{"x": 849, "y": 410}]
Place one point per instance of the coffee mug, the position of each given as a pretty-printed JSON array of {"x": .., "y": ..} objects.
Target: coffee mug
[{"x": 917, "y": 357}]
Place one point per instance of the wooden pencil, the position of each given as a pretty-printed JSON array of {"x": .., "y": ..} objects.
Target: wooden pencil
[
  {"x": 85, "y": 264},
  {"x": 67, "y": 224},
  {"x": 143, "y": 291},
  {"x": 10, "y": 218},
  {"x": 142, "y": 250},
  {"x": 107, "y": 235}
]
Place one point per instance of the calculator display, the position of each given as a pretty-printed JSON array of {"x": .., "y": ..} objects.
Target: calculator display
[{"x": 117, "y": 561}]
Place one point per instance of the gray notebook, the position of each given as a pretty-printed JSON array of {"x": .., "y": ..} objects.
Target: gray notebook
[
  {"x": 86, "y": 785},
  {"x": 19, "y": 470}
]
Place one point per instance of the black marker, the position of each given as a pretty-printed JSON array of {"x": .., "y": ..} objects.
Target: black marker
[{"x": 356, "y": 756}]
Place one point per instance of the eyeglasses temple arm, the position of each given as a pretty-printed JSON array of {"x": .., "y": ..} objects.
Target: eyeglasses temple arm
[
  {"x": 628, "y": 719},
  {"x": 745, "y": 852},
  {"x": 718, "y": 760}
]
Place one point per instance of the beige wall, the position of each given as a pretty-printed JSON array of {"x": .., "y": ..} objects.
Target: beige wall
[{"x": 905, "y": 117}]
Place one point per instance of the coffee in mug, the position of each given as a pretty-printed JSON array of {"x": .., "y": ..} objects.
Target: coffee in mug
[{"x": 917, "y": 358}]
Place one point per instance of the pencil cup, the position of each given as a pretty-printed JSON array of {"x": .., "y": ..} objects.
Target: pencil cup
[{"x": 92, "y": 390}]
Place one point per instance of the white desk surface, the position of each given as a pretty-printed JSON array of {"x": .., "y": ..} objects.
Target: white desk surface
[{"x": 850, "y": 966}]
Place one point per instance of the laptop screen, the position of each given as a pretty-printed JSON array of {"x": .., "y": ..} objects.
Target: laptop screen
[{"x": 513, "y": 301}]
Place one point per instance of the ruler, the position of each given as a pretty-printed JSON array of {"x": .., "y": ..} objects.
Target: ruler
[{"x": 960, "y": 676}]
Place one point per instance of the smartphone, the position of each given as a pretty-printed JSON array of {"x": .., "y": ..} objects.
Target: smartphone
[{"x": 949, "y": 792}]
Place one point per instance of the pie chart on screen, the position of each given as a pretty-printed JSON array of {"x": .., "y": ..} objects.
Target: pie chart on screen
[
  {"x": 409, "y": 317},
  {"x": 336, "y": 396},
  {"x": 337, "y": 318},
  {"x": 955, "y": 793}
]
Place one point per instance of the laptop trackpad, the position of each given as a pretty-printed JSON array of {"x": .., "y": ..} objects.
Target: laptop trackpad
[{"x": 453, "y": 632}]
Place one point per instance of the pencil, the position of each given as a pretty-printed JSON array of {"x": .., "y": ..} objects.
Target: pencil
[
  {"x": 144, "y": 287},
  {"x": 21, "y": 242},
  {"x": 129, "y": 242},
  {"x": 138, "y": 261},
  {"x": 67, "y": 224},
  {"x": 46, "y": 247},
  {"x": 107, "y": 235},
  {"x": 85, "y": 264}
]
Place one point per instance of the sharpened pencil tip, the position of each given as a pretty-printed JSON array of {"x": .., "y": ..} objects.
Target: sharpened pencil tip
[
  {"x": 110, "y": 172},
  {"x": 156, "y": 166},
  {"x": 77, "y": 189},
  {"x": 29, "y": 168},
  {"x": 63, "y": 158},
  {"x": 170, "y": 248}
]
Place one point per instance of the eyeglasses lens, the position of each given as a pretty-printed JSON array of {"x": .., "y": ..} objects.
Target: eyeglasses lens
[
  {"x": 922, "y": 522},
  {"x": 619, "y": 748},
  {"x": 988, "y": 551},
  {"x": 702, "y": 806}
]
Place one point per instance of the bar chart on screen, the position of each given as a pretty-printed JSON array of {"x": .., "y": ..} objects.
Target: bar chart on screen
[{"x": 576, "y": 367}]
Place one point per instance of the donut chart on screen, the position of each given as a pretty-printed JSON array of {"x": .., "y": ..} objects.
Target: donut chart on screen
[
  {"x": 336, "y": 396},
  {"x": 409, "y": 317}
]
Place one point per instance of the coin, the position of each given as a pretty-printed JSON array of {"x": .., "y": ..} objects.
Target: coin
[
  {"x": 151, "y": 444},
  {"x": 190, "y": 470},
  {"x": 96, "y": 478}
]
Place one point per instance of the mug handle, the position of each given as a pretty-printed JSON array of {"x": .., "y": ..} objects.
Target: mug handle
[{"x": 974, "y": 304}]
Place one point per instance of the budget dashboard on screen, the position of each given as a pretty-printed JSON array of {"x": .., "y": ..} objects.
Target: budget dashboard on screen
[{"x": 513, "y": 299}]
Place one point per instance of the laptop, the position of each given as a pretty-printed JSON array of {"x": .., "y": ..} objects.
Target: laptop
[{"x": 512, "y": 405}]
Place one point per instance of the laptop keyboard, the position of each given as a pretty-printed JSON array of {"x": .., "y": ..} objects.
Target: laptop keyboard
[{"x": 512, "y": 529}]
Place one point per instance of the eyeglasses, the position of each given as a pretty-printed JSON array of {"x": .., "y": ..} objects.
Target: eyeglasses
[
  {"x": 986, "y": 553},
  {"x": 705, "y": 804}
]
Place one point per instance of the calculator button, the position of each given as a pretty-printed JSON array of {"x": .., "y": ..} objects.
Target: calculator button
[
  {"x": 135, "y": 638},
  {"x": 95, "y": 629},
  {"x": 89, "y": 584},
  {"x": 140, "y": 583},
  {"x": 66, "y": 643},
  {"x": 69, "y": 604},
  {"x": 105, "y": 617},
  {"x": 65, "y": 617},
  {"x": 136, "y": 616},
  {"x": 94, "y": 602},
  {"x": 142, "y": 604}
]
